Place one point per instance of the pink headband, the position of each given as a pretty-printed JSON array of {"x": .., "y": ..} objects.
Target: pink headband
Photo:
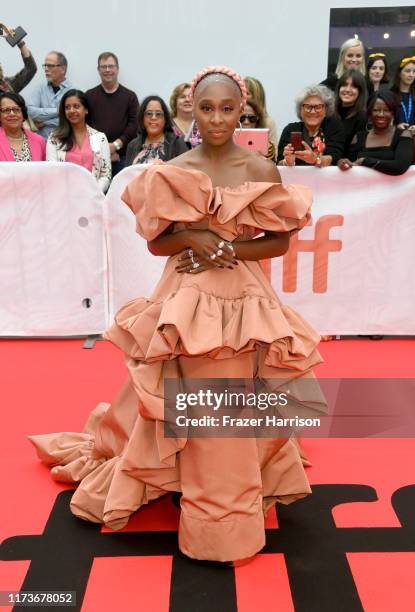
[{"x": 221, "y": 70}]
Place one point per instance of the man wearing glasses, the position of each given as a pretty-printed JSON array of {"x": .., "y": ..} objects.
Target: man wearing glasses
[
  {"x": 43, "y": 103},
  {"x": 114, "y": 110}
]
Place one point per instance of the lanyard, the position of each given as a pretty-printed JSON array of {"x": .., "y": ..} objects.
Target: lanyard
[{"x": 407, "y": 111}]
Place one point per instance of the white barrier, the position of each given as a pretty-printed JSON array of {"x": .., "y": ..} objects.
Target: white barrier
[
  {"x": 355, "y": 264},
  {"x": 350, "y": 273},
  {"x": 133, "y": 271},
  {"x": 53, "y": 273}
]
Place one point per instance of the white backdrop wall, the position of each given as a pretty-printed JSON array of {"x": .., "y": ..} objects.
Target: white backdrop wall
[{"x": 163, "y": 42}]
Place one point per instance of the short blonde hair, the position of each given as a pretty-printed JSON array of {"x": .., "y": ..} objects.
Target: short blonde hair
[
  {"x": 177, "y": 91},
  {"x": 348, "y": 44}
]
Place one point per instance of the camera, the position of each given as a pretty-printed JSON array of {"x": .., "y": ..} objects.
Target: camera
[{"x": 13, "y": 36}]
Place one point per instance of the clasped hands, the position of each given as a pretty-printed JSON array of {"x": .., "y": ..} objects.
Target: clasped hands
[{"x": 206, "y": 250}]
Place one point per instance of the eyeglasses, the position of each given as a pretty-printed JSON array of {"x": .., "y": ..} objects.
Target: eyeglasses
[
  {"x": 11, "y": 109},
  {"x": 309, "y": 108},
  {"x": 51, "y": 65},
  {"x": 250, "y": 118},
  {"x": 155, "y": 114},
  {"x": 107, "y": 67}
]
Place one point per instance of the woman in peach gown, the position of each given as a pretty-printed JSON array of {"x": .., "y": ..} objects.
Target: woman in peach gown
[{"x": 212, "y": 315}]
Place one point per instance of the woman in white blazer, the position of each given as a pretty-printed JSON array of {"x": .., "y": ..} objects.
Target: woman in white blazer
[{"x": 75, "y": 141}]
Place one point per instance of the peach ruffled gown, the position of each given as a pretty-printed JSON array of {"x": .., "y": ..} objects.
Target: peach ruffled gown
[{"x": 217, "y": 324}]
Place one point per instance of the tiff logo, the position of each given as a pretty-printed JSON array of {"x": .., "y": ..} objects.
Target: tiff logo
[
  {"x": 315, "y": 552},
  {"x": 321, "y": 246}
]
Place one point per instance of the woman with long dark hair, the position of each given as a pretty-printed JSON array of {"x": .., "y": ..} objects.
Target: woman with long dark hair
[
  {"x": 350, "y": 103},
  {"x": 404, "y": 89},
  {"x": 75, "y": 141},
  {"x": 156, "y": 136},
  {"x": 377, "y": 73}
]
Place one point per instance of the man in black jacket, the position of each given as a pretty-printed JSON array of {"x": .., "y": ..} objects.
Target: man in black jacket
[{"x": 114, "y": 109}]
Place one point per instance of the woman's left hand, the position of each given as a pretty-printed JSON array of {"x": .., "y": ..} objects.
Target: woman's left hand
[
  {"x": 308, "y": 155},
  {"x": 186, "y": 261}
]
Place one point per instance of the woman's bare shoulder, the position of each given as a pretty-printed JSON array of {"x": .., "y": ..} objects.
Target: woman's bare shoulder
[
  {"x": 262, "y": 169},
  {"x": 186, "y": 160}
]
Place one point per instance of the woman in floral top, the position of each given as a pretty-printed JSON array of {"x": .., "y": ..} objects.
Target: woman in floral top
[
  {"x": 322, "y": 134},
  {"x": 156, "y": 138}
]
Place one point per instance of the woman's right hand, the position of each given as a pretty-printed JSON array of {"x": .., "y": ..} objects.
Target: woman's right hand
[{"x": 289, "y": 155}]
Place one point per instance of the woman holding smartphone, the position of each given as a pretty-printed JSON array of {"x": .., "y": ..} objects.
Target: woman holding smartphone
[{"x": 318, "y": 138}]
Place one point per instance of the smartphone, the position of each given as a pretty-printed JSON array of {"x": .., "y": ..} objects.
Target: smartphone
[{"x": 296, "y": 139}]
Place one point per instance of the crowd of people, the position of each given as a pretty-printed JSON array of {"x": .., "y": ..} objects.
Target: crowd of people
[
  {"x": 214, "y": 314},
  {"x": 356, "y": 116}
]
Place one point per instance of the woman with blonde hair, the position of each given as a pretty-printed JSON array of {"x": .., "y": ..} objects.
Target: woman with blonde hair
[
  {"x": 252, "y": 117},
  {"x": 256, "y": 93},
  {"x": 351, "y": 57},
  {"x": 181, "y": 107}
]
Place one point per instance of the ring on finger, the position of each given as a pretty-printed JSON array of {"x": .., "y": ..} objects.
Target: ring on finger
[{"x": 230, "y": 247}]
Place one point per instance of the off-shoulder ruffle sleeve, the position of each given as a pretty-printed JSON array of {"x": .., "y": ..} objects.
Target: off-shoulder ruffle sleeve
[{"x": 164, "y": 194}]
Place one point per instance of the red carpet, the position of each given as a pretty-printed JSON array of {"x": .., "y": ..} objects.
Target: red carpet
[{"x": 349, "y": 537}]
